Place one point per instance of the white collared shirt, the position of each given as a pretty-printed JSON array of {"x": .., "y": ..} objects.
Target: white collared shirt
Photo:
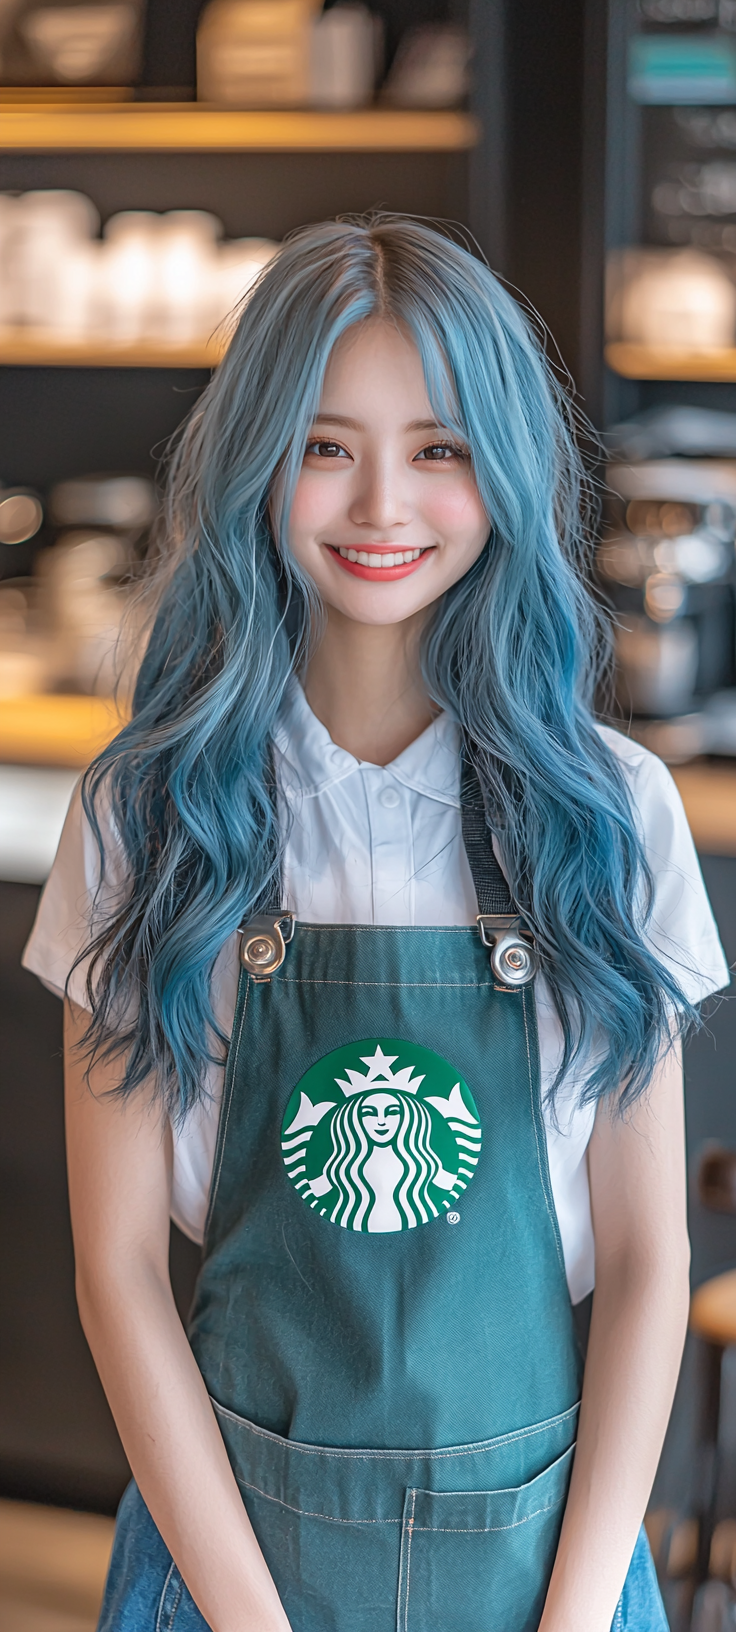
[{"x": 383, "y": 845}]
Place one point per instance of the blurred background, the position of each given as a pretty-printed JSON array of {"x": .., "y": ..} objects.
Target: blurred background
[{"x": 153, "y": 153}]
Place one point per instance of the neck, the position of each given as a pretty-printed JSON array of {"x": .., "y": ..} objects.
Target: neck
[{"x": 364, "y": 683}]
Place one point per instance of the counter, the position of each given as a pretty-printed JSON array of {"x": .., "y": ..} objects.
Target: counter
[{"x": 55, "y": 730}]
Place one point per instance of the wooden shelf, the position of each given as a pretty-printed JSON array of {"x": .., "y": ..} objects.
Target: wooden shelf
[
  {"x": 670, "y": 363},
  {"x": 186, "y": 127},
  {"x": 55, "y": 730},
  {"x": 32, "y": 348}
]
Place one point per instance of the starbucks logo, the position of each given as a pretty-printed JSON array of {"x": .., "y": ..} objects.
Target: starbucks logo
[{"x": 380, "y": 1136}]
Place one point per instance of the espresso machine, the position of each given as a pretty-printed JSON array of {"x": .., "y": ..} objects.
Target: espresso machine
[{"x": 667, "y": 568}]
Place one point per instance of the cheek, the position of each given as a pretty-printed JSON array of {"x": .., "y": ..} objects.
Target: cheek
[
  {"x": 457, "y": 513},
  {"x": 316, "y": 500}
]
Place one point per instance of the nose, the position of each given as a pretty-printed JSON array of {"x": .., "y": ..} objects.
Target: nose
[{"x": 379, "y": 499}]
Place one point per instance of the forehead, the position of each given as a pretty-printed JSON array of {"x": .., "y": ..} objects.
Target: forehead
[{"x": 374, "y": 358}]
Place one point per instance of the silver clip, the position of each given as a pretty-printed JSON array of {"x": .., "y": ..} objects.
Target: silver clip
[
  {"x": 263, "y": 943},
  {"x": 513, "y": 959}
]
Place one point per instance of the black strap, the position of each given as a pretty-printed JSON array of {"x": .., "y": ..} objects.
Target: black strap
[
  {"x": 269, "y": 901},
  {"x": 491, "y": 888}
]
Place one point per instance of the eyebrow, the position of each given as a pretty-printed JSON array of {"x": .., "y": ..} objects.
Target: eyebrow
[
  {"x": 338, "y": 419},
  {"x": 355, "y": 424}
]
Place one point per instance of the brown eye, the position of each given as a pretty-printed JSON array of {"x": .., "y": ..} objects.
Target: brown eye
[
  {"x": 325, "y": 450},
  {"x": 439, "y": 453}
]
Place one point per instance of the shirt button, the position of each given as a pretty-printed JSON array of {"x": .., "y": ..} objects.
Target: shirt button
[{"x": 389, "y": 798}]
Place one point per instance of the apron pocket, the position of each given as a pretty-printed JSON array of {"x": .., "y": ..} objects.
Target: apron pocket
[{"x": 468, "y": 1555}]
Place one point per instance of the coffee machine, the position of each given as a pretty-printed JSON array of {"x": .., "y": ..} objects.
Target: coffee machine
[{"x": 667, "y": 568}]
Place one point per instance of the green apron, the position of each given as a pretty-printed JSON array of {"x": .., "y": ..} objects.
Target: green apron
[{"x": 382, "y": 1317}]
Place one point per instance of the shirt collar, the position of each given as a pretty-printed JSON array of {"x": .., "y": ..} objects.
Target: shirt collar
[{"x": 312, "y": 762}]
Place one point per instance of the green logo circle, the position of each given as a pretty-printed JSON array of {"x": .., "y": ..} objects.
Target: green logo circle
[{"x": 381, "y": 1135}]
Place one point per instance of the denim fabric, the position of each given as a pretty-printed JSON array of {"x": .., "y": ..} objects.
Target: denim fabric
[
  {"x": 145, "y": 1592},
  {"x": 640, "y": 1608}
]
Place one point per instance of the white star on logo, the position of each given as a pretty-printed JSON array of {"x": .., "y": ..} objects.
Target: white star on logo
[
  {"x": 379, "y": 1070},
  {"x": 379, "y": 1064}
]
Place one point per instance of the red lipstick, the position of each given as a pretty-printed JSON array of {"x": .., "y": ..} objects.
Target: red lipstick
[{"x": 379, "y": 575}]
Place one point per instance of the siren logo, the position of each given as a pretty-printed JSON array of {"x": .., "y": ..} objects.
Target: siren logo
[{"x": 381, "y": 1136}]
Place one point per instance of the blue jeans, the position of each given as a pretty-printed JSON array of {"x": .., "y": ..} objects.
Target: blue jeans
[{"x": 145, "y": 1592}]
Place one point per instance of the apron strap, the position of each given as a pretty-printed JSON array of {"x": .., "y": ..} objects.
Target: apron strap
[
  {"x": 514, "y": 960},
  {"x": 491, "y": 888},
  {"x": 265, "y": 937},
  {"x": 270, "y": 899}
]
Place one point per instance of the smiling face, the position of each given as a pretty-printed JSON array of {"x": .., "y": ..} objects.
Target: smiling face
[
  {"x": 386, "y": 514},
  {"x": 380, "y": 1113}
]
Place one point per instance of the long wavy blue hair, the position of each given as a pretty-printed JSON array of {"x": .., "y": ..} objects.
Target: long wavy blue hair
[{"x": 513, "y": 651}]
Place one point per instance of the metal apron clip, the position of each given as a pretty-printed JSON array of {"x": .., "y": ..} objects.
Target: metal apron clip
[
  {"x": 263, "y": 943},
  {"x": 513, "y": 959}
]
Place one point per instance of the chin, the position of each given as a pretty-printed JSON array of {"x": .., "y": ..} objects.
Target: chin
[{"x": 378, "y": 607}]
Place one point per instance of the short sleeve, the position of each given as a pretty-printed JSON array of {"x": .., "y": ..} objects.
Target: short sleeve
[
  {"x": 681, "y": 930},
  {"x": 74, "y": 903}
]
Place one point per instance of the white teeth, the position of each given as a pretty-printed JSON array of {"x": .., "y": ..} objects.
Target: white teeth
[{"x": 365, "y": 558}]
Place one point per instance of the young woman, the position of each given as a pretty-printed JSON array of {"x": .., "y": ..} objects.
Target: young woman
[{"x": 363, "y": 836}]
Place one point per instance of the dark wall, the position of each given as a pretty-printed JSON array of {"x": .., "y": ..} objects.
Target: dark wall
[{"x": 544, "y": 54}]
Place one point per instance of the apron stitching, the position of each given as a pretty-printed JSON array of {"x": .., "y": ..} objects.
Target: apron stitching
[
  {"x": 410, "y": 985},
  {"x": 408, "y": 1557},
  {"x": 542, "y": 1176},
  {"x": 400, "y": 1589},
  {"x": 396, "y": 929},
  {"x": 175, "y": 1604},
  {"x": 169, "y": 1573},
  {"x": 479, "y": 1448},
  {"x": 307, "y": 1512},
  {"x": 483, "y": 1529},
  {"x": 229, "y": 1104}
]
